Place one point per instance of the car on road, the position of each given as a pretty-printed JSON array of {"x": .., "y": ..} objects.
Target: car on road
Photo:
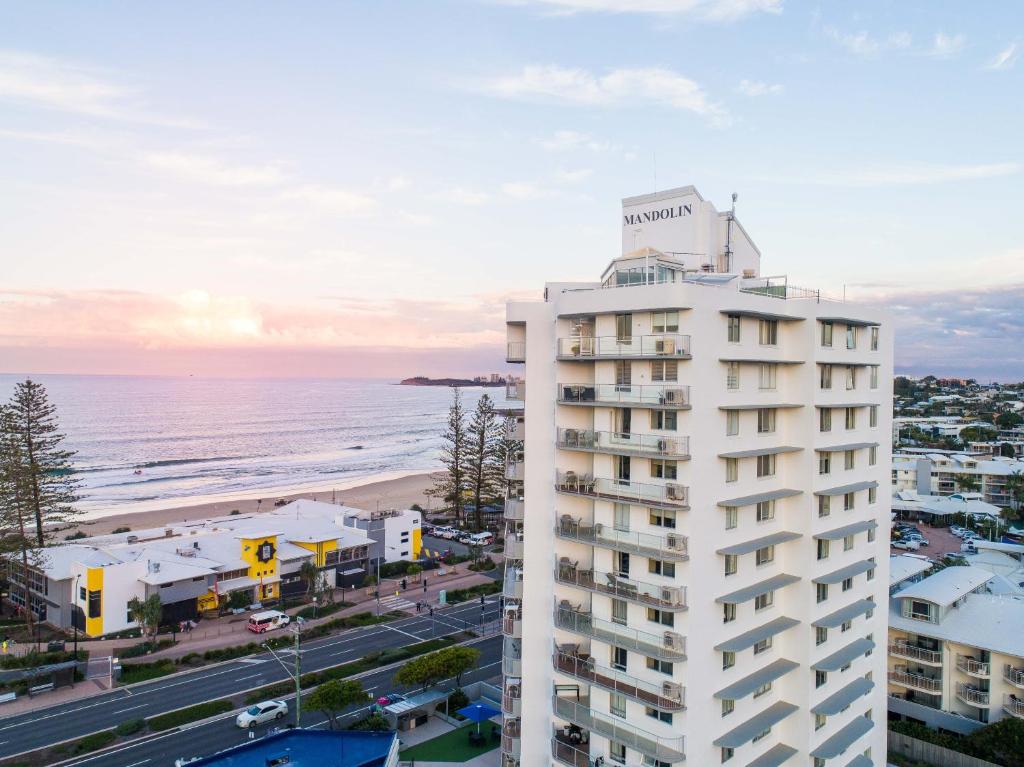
[
  {"x": 267, "y": 621},
  {"x": 906, "y": 545},
  {"x": 267, "y": 711}
]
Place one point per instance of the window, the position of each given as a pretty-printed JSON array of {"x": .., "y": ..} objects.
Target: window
[
  {"x": 662, "y": 518},
  {"x": 732, "y": 423},
  {"x": 824, "y": 505},
  {"x": 731, "y": 517},
  {"x": 661, "y": 666},
  {"x": 826, "y": 334},
  {"x": 665, "y": 322},
  {"x": 826, "y": 377},
  {"x": 766, "y": 465},
  {"x": 617, "y": 704},
  {"x": 848, "y": 499},
  {"x": 663, "y": 469},
  {"x": 734, "y": 329},
  {"x": 663, "y": 716},
  {"x": 762, "y": 646},
  {"x": 765, "y": 511},
  {"x": 95, "y": 603},
  {"x": 761, "y": 735},
  {"x": 665, "y": 370},
  {"x": 872, "y": 455},
  {"x": 849, "y": 457},
  {"x": 764, "y": 555},
  {"x": 873, "y": 372},
  {"x": 822, "y": 549},
  {"x": 874, "y": 338},
  {"x": 661, "y": 616},
  {"x": 764, "y": 601},
  {"x": 620, "y": 611},
  {"x": 851, "y": 377},
  {"x": 871, "y": 535},
  {"x": 847, "y": 542},
  {"x": 728, "y": 706},
  {"x": 825, "y": 419},
  {"x": 846, "y": 626},
  {"x": 871, "y": 572},
  {"x": 819, "y": 721},
  {"x": 731, "y": 562},
  {"x": 851, "y": 418},
  {"x": 824, "y": 463},
  {"x": 768, "y": 332},
  {"x": 620, "y": 658},
  {"x": 820, "y": 678},
  {"x": 732, "y": 376},
  {"x": 620, "y": 559},
  {"x": 727, "y": 754},
  {"x": 818, "y": 762},
  {"x": 765, "y": 420},
  {"x": 617, "y": 751},
  {"x": 664, "y": 420},
  {"x": 732, "y": 469},
  {"x": 872, "y": 494},
  {"x": 728, "y": 660},
  {"x": 763, "y": 689},
  {"x": 728, "y": 613},
  {"x": 821, "y": 591},
  {"x": 847, "y": 584},
  {"x": 851, "y": 337},
  {"x": 624, "y": 327},
  {"x": 767, "y": 379},
  {"x": 81, "y": 594},
  {"x": 873, "y": 416},
  {"x": 620, "y": 516},
  {"x": 820, "y": 635},
  {"x": 658, "y": 567}
]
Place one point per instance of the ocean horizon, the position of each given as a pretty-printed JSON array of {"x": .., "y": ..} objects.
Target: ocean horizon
[{"x": 153, "y": 442}]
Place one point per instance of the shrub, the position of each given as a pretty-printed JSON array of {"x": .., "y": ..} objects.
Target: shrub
[
  {"x": 373, "y": 723},
  {"x": 93, "y": 742},
  {"x": 142, "y": 672},
  {"x": 33, "y": 659},
  {"x": 234, "y": 513},
  {"x": 483, "y": 565},
  {"x": 461, "y": 595},
  {"x": 190, "y": 714},
  {"x": 130, "y": 727},
  {"x": 75, "y": 536},
  {"x": 190, "y": 659},
  {"x": 145, "y": 648},
  {"x": 458, "y": 699},
  {"x": 321, "y": 610},
  {"x": 117, "y": 530}
]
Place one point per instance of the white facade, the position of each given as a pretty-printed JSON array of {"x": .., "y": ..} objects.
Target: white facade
[{"x": 675, "y": 516}]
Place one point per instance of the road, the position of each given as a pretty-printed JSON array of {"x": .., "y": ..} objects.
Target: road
[{"x": 42, "y": 727}]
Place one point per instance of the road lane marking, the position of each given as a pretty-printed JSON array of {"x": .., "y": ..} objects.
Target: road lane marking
[
  {"x": 393, "y": 628},
  {"x": 141, "y": 705},
  {"x": 136, "y": 764}
]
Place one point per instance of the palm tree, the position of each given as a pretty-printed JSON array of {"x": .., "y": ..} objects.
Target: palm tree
[
  {"x": 967, "y": 483},
  {"x": 311, "y": 576},
  {"x": 1015, "y": 487}
]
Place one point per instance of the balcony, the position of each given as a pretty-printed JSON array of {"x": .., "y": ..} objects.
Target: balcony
[
  {"x": 1014, "y": 676},
  {"x": 651, "y": 595},
  {"x": 906, "y": 650},
  {"x": 570, "y": 747},
  {"x": 515, "y": 509},
  {"x": 973, "y": 667},
  {"x": 513, "y": 584},
  {"x": 659, "y": 346},
  {"x": 512, "y": 622},
  {"x": 516, "y": 351},
  {"x": 1014, "y": 706},
  {"x": 578, "y": 712},
  {"x": 511, "y": 699},
  {"x": 516, "y": 430},
  {"x": 515, "y": 471},
  {"x": 972, "y": 696},
  {"x": 668, "y": 396},
  {"x": 671, "y": 546},
  {"x": 669, "y": 495},
  {"x": 511, "y": 732},
  {"x": 514, "y": 546},
  {"x": 664, "y": 645},
  {"x": 515, "y": 391},
  {"x": 667, "y": 696},
  {"x": 916, "y": 681},
  {"x": 617, "y": 443}
]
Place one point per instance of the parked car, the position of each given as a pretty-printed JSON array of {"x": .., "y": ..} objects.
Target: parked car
[
  {"x": 906, "y": 545},
  {"x": 481, "y": 539},
  {"x": 262, "y": 712},
  {"x": 970, "y": 535},
  {"x": 957, "y": 530},
  {"x": 916, "y": 537},
  {"x": 968, "y": 547}
]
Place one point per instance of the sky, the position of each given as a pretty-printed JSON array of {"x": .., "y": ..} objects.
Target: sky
[{"x": 356, "y": 188}]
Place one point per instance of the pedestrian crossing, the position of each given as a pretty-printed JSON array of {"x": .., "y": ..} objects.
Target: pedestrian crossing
[{"x": 395, "y": 602}]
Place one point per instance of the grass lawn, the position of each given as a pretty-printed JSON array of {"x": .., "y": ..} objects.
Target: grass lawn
[{"x": 452, "y": 746}]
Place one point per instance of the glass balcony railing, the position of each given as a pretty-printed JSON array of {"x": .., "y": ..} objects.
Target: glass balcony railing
[
  {"x": 516, "y": 351},
  {"x": 972, "y": 695},
  {"x": 629, "y": 443},
  {"x": 515, "y": 471},
  {"x": 641, "y": 395},
  {"x": 516, "y": 430},
  {"x": 514, "y": 546},
  {"x": 1014, "y": 676},
  {"x": 906, "y": 650},
  {"x": 512, "y": 699},
  {"x": 916, "y": 681},
  {"x": 671, "y": 546},
  {"x": 570, "y": 747},
  {"x": 1013, "y": 705},
  {"x": 661, "y": 345},
  {"x": 663, "y": 645},
  {"x": 665, "y": 597},
  {"x": 512, "y": 623},
  {"x": 669, "y": 494},
  {"x": 973, "y": 667},
  {"x": 515, "y": 391},
  {"x": 514, "y": 509},
  {"x": 667, "y": 696},
  {"x": 577, "y": 711},
  {"x": 513, "y": 584}
]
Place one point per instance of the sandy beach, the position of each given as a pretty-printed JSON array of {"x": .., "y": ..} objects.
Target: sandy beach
[{"x": 400, "y": 492}]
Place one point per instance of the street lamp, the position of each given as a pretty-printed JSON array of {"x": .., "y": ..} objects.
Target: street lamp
[
  {"x": 295, "y": 629},
  {"x": 74, "y": 622}
]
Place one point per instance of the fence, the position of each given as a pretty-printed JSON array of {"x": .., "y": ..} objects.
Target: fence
[{"x": 923, "y": 751}]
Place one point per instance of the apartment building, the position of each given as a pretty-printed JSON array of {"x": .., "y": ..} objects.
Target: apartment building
[
  {"x": 945, "y": 474},
  {"x": 701, "y": 544},
  {"x": 956, "y": 651}
]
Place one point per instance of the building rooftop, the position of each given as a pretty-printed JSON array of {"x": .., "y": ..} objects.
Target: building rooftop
[
  {"x": 906, "y": 566},
  {"x": 947, "y": 586},
  {"x": 308, "y": 748},
  {"x": 994, "y": 623}
]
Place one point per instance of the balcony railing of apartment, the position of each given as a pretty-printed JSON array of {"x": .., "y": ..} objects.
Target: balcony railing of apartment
[
  {"x": 1014, "y": 676},
  {"x": 668, "y": 696},
  {"x": 665, "y": 597},
  {"x": 516, "y": 430},
  {"x": 569, "y": 745},
  {"x": 671, "y": 546},
  {"x": 514, "y": 546},
  {"x": 916, "y": 681},
  {"x": 1013, "y": 705},
  {"x": 512, "y": 622},
  {"x": 662, "y": 345},
  {"x": 907, "y": 650},
  {"x": 669, "y": 494},
  {"x": 973, "y": 667},
  {"x": 577, "y": 711},
  {"x": 515, "y": 471},
  {"x": 778, "y": 287},
  {"x": 516, "y": 351},
  {"x": 513, "y": 585},
  {"x": 514, "y": 509},
  {"x": 664, "y": 645},
  {"x": 630, "y": 443},
  {"x": 507, "y": 760},
  {"x": 511, "y": 699},
  {"x": 649, "y": 395},
  {"x": 515, "y": 391},
  {"x": 971, "y": 695}
]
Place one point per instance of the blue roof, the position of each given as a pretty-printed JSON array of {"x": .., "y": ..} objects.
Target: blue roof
[{"x": 307, "y": 747}]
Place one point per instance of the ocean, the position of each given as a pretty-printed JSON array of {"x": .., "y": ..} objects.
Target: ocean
[{"x": 146, "y": 443}]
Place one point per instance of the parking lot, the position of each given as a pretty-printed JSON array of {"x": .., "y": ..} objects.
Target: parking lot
[{"x": 940, "y": 542}]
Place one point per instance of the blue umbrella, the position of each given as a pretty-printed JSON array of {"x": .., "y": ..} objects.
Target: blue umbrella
[{"x": 478, "y": 712}]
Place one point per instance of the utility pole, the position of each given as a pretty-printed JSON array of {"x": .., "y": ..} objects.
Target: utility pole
[{"x": 296, "y": 630}]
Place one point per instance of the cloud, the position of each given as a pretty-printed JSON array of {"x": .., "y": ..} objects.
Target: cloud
[
  {"x": 617, "y": 88},
  {"x": 461, "y": 196},
  {"x": 712, "y": 10},
  {"x": 907, "y": 175},
  {"x": 525, "y": 190},
  {"x": 946, "y": 46},
  {"x": 758, "y": 88},
  {"x": 865, "y": 45},
  {"x": 331, "y": 198},
  {"x": 1006, "y": 58},
  {"x": 572, "y": 176},
  {"x": 566, "y": 140},
  {"x": 212, "y": 171}
]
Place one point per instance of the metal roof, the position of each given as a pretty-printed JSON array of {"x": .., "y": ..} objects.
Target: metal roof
[
  {"x": 849, "y": 321},
  {"x": 761, "y": 451},
  {"x": 762, "y": 315},
  {"x": 758, "y": 543},
  {"x": 752, "y": 637},
  {"x": 844, "y": 614},
  {"x": 756, "y": 725},
  {"x": 841, "y": 532},
  {"x": 760, "y": 360},
  {"x": 853, "y": 487},
  {"x": 835, "y": 703},
  {"x": 843, "y": 739},
  {"x": 774, "y": 756},
  {"x": 751, "y": 682},
  {"x": 947, "y": 586},
  {"x": 770, "y": 406},
  {"x": 847, "y": 446},
  {"x": 750, "y": 592},
  {"x": 750, "y": 500},
  {"x": 416, "y": 701},
  {"x": 837, "y": 576},
  {"x": 847, "y": 655}
]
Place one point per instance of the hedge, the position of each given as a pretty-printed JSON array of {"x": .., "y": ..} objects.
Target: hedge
[
  {"x": 462, "y": 595},
  {"x": 321, "y": 610},
  {"x": 145, "y": 648},
  {"x": 93, "y": 742},
  {"x": 130, "y": 727},
  {"x": 190, "y": 714},
  {"x": 33, "y": 659},
  {"x": 143, "y": 672}
]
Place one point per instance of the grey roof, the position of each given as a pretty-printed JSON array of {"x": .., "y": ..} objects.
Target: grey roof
[
  {"x": 754, "y": 360},
  {"x": 947, "y": 586},
  {"x": 840, "y": 658},
  {"x": 415, "y": 701},
  {"x": 903, "y": 566},
  {"x": 843, "y": 573},
  {"x": 761, "y": 451},
  {"x": 756, "y": 725},
  {"x": 994, "y": 623},
  {"x": 836, "y": 702},
  {"x": 841, "y": 532},
  {"x": 750, "y": 500},
  {"x": 749, "y": 683},
  {"x": 853, "y": 487},
  {"x": 844, "y": 614},
  {"x": 758, "y": 543},
  {"x": 762, "y": 315},
  {"x": 843, "y": 739},
  {"x": 752, "y": 637},
  {"x": 774, "y": 756},
  {"x": 847, "y": 446},
  {"x": 861, "y": 761},
  {"x": 849, "y": 321},
  {"x": 775, "y": 405},
  {"x": 746, "y": 594}
]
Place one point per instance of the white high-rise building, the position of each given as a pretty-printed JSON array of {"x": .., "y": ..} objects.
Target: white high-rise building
[{"x": 698, "y": 531}]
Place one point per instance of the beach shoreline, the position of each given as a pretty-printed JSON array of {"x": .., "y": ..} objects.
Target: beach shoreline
[{"x": 371, "y": 493}]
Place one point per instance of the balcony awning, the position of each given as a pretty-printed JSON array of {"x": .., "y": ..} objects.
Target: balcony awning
[
  {"x": 833, "y": 704},
  {"x": 774, "y": 756},
  {"x": 760, "y": 360},
  {"x": 752, "y": 637},
  {"x": 849, "y": 321},
  {"x": 844, "y": 489},
  {"x": 844, "y": 614},
  {"x": 756, "y": 725},
  {"x": 750, "y": 592},
  {"x": 847, "y": 446},
  {"x": 759, "y": 543},
  {"x": 838, "y": 533},
  {"x": 748, "y": 684},
  {"x": 761, "y": 315},
  {"x": 761, "y": 451},
  {"x": 843, "y": 739},
  {"x": 861, "y": 761},
  {"x": 837, "y": 405},
  {"x": 750, "y": 500},
  {"x": 837, "y": 576},
  {"x": 837, "y": 660},
  {"x": 769, "y": 406}
]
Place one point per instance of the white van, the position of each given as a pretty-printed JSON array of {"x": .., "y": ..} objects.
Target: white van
[
  {"x": 481, "y": 539},
  {"x": 266, "y": 621}
]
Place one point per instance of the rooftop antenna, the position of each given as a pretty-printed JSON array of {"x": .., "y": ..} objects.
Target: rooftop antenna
[{"x": 728, "y": 234}]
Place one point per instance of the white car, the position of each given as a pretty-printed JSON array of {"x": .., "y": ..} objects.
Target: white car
[
  {"x": 916, "y": 537},
  {"x": 957, "y": 530},
  {"x": 262, "y": 712},
  {"x": 906, "y": 545}
]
